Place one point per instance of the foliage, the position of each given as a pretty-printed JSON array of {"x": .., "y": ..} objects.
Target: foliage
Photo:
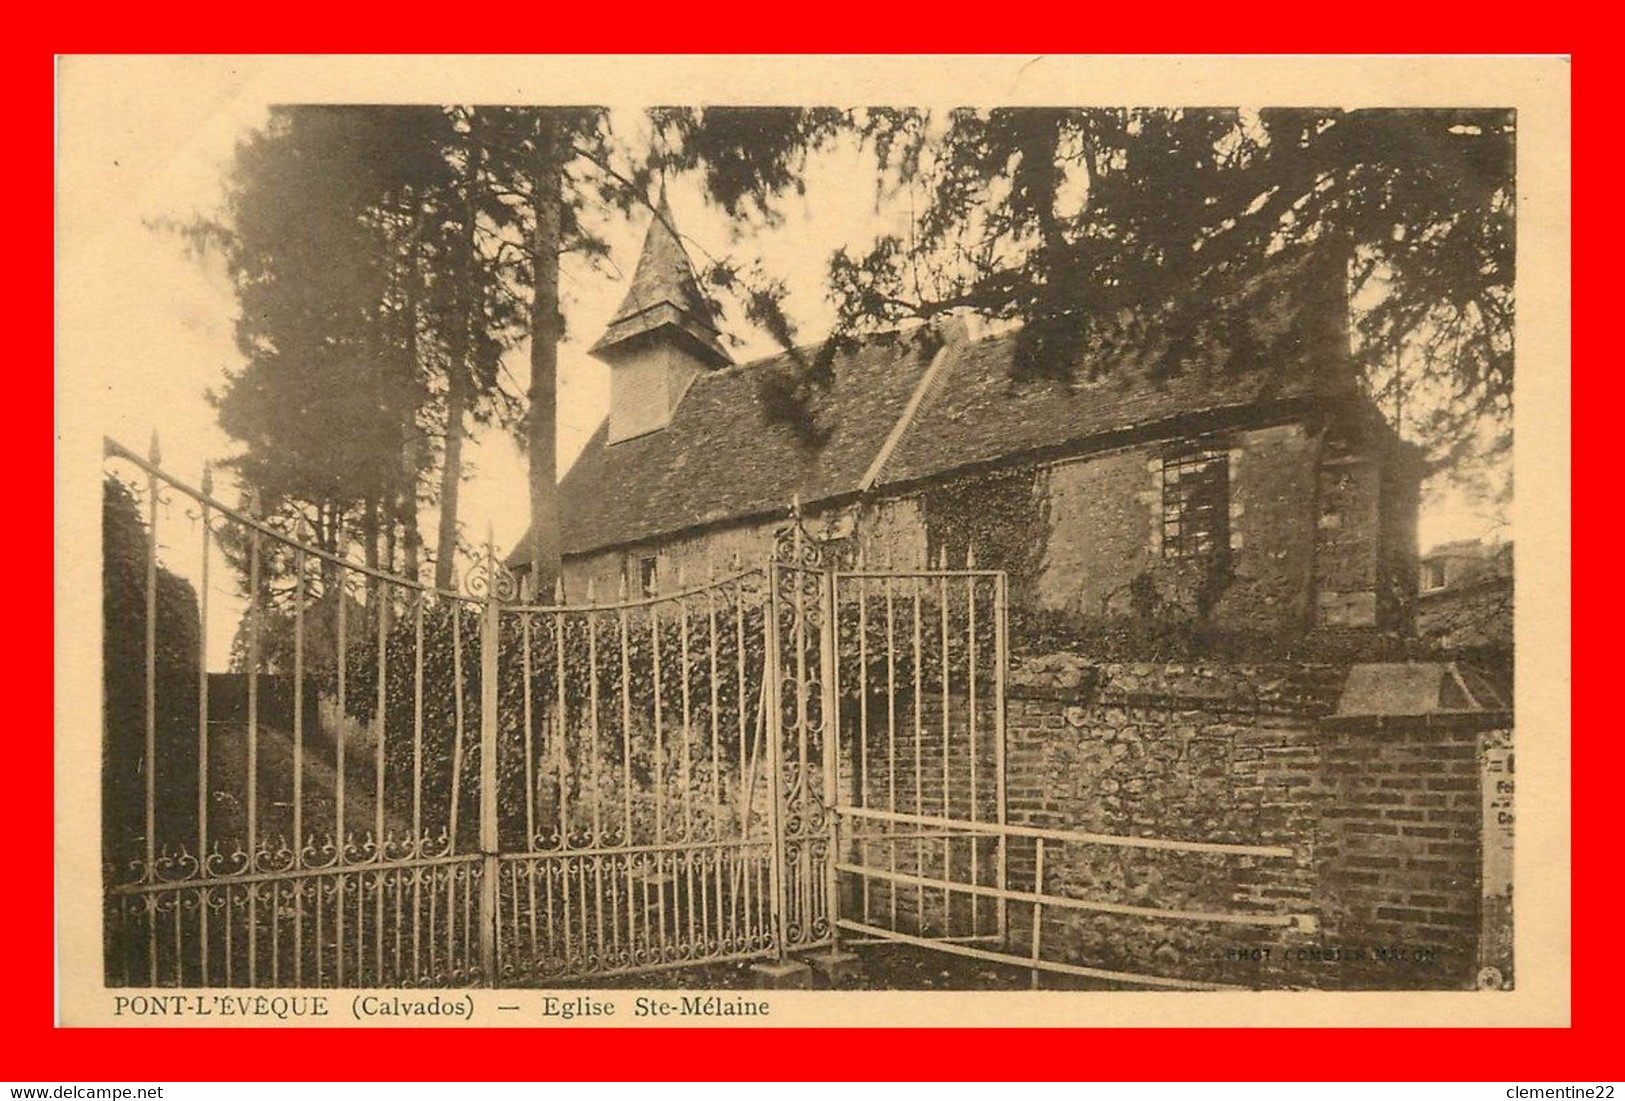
[
  {"x": 124, "y": 664},
  {"x": 1066, "y": 219},
  {"x": 372, "y": 317},
  {"x": 1000, "y": 516}
]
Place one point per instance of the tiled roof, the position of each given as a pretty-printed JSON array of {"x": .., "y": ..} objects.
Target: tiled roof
[
  {"x": 722, "y": 458},
  {"x": 976, "y": 412}
]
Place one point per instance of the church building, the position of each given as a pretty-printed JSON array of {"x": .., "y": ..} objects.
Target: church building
[{"x": 1248, "y": 485}]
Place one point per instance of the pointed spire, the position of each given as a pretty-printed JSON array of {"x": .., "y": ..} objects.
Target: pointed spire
[{"x": 665, "y": 296}]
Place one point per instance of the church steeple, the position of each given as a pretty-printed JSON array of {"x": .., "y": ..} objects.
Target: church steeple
[
  {"x": 662, "y": 337},
  {"x": 664, "y": 301}
]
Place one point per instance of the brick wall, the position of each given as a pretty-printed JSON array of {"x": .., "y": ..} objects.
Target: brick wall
[
  {"x": 1383, "y": 818},
  {"x": 1401, "y": 841}
]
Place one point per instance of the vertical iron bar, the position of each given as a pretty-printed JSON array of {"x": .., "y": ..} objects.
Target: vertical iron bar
[
  {"x": 1038, "y": 907},
  {"x": 276, "y": 932},
  {"x": 339, "y": 738},
  {"x": 561, "y": 760},
  {"x": 597, "y": 783},
  {"x": 150, "y": 761},
  {"x": 418, "y": 846},
  {"x": 891, "y": 742},
  {"x": 862, "y": 584},
  {"x": 626, "y": 725},
  {"x": 490, "y": 642},
  {"x": 747, "y": 772},
  {"x": 775, "y": 769},
  {"x": 562, "y": 732},
  {"x": 970, "y": 718},
  {"x": 626, "y": 759},
  {"x": 320, "y": 942},
  {"x": 659, "y": 780},
  {"x": 1000, "y": 658},
  {"x": 380, "y": 592},
  {"x": 381, "y": 704},
  {"x": 338, "y": 929},
  {"x": 530, "y": 793},
  {"x": 947, "y": 745},
  {"x": 225, "y": 916},
  {"x": 919, "y": 763},
  {"x": 716, "y": 755},
  {"x": 801, "y": 880},
  {"x": 400, "y": 889},
  {"x": 253, "y": 798},
  {"x": 299, "y": 757},
  {"x": 175, "y": 937},
  {"x": 434, "y": 915},
  {"x": 530, "y": 740},
  {"x": 203, "y": 729},
  {"x": 831, "y": 716},
  {"x": 203, "y": 686},
  {"x": 457, "y": 724},
  {"x": 684, "y": 773}
]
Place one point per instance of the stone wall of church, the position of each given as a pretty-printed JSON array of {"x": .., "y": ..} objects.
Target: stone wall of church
[{"x": 1310, "y": 538}]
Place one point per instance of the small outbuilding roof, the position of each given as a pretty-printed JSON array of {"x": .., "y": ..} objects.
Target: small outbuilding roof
[{"x": 1415, "y": 689}]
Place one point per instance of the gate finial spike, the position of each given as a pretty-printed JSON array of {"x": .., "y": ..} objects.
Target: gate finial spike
[
  {"x": 679, "y": 575},
  {"x": 558, "y": 591},
  {"x": 592, "y": 597},
  {"x": 254, "y": 501},
  {"x": 970, "y": 556},
  {"x": 620, "y": 592},
  {"x": 208, "y": 479},
  {"x": 154, "y": 456}
]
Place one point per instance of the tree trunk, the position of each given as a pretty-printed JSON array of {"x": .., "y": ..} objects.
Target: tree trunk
[
  {"x": 412, "y": 534},
  {"x": 459, "y": 377},
  {"x": 546, "y": 328},
  {"x": 412, "y": 444},
  {"x": 370, "y": 531}
]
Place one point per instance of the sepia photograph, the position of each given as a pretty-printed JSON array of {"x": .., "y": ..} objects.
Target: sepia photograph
[{"x": 713, "y": 549}]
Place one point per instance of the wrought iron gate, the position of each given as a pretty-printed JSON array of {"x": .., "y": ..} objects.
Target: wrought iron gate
[
  {"x": 928, "y": 856},
  {"x": 430, "y": 788},
  {"x": 411, "y": 787},
  {"x": 635, "y": 828}
]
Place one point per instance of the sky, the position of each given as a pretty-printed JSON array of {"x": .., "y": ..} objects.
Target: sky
[{"x": 164, "y": 337}]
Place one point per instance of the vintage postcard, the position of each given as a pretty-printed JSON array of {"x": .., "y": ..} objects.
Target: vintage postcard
[{"x": 813, "y": 541}]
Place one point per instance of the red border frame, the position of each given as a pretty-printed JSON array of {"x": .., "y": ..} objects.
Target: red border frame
[{"x": 33, "y": 1049}]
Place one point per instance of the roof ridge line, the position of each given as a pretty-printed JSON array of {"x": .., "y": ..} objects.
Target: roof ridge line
[{"x": 955, "y": 337}]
